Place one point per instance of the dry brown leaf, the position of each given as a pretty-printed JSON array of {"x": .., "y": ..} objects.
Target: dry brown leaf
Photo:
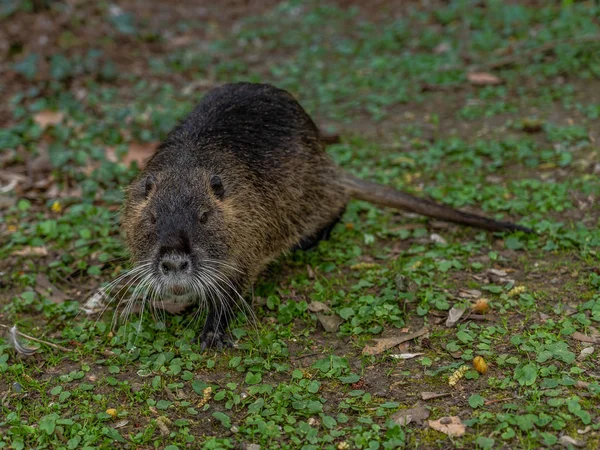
[
  {"x": 406, "y": 355},
  {"x": 469, "y": 293},
  {"x": 452, "y": 426},
  {"x": 483, "y": 79},
  {"x": 330, "y": 323},
  {"x": 31, "y": 251},
  {"x": 139, "y": 152},
  {"x": 437, "y": 239},
  {"x": 381, "y": 345},
  {"x": 585, "y": 353},
  {"x": 406, "y": 416},
  {"x": 432, "y": 395},
  {"x": 568, "y": 441},
  {"x": 46, "y": 118},
  {"x": 44, "y": 287},
  {"x": 583, "y": 338},
  {"x": 582, "y": 384},
  {"x": 498, "y": 272},
  {"x": 454, "y": 315},
  {"x": 317, "y": 307}
]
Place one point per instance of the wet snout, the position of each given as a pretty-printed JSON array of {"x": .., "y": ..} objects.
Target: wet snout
[
  {"x": 175, "y": 265},
  {"x": 175, "y": 270}
]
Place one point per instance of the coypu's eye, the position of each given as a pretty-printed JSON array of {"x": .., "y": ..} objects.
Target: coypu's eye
[
  {"x": 217, "y": 186},
  {"x": 149, "y": 185},
  {"x": 203, "y": 217},
  {"x": 153, "y": 219}
]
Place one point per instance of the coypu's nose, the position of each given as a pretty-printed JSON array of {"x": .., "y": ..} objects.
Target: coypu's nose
[{"x": 174, "y": 265}]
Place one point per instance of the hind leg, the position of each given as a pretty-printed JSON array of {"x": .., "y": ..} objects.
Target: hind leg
[{"x": 309, "y": 242}]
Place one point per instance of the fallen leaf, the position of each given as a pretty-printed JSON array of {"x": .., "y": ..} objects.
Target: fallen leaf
[
  {"x": 583, "y": 338},
  {"x": 469, "y": 293},
  {"x": 454, "y": 314},
  {"x": 582, "y": 384},
  {"x": 56, "y": 207},
  {"x": 483, "y": 79},
  {"x": 31, "y": 251},
  {"x": 406, "y": 355},
  {"x": 46, "y": 118},
  {"x": 452, "y": 426},
  {"x": 568, "y": 440},
  {"x": 480, "y": 365},
  {"x": 331, "y": 322},
  {"x": 10, "y": 180},
  {"x": 432, "y": 395},
  {"x": 436, "y": 238},
  {"x": 585, "y": 430},
  {"x": 44, "y": 287},
  {"x": 406, "y": 416},
  {"x": 585, "y": 353},
  {"x": 138, "y": 152},
  {"x": 384, "y": 344},
  {"x": 497, "y": 272},
  {"x": 120, "y": 423},
  {"x": 318, "y": 307},
  {"x": 544, "y": 317}
]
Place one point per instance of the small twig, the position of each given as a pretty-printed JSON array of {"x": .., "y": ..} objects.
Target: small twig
[
  {"x": 39, "y": 341},
  {"x": 306, "y": 355}
]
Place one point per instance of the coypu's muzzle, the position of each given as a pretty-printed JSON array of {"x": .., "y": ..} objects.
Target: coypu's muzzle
[{"x": 175, "y": 272}]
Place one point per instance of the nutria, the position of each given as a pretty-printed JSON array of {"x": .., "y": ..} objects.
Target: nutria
[{"x": 241, "y": 180}]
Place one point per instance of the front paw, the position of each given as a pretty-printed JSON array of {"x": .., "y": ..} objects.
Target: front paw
[{"x": 215, "y": 339}]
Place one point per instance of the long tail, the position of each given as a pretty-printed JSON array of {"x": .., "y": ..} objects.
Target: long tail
[{"x": 385, "y": 196}]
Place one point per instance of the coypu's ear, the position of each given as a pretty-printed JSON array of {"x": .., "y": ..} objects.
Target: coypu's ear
[
  {"x": 217, "y": 186},
  {"x": 149, "y": 185}
]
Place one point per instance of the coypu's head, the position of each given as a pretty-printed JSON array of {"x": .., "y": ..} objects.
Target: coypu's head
[{"x": 175, "y": 231}]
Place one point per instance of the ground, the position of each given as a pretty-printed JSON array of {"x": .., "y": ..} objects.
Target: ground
[{"x": 491, "y": 107}]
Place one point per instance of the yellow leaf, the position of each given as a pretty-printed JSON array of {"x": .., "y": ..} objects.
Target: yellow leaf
[
  {"x": 480, "y": 364},
  {"x": 56, "y": 207}
]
